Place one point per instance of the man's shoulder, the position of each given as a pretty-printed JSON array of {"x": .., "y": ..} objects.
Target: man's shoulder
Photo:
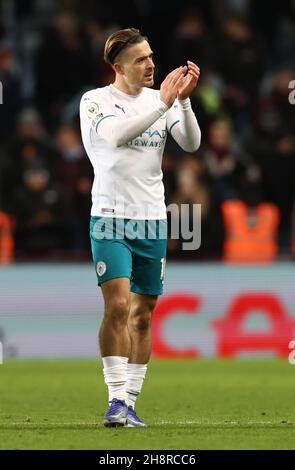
[{"x": 95, "y": 94}]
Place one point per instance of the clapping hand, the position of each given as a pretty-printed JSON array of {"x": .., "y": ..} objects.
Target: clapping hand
[{"x": 189, "y": 81}]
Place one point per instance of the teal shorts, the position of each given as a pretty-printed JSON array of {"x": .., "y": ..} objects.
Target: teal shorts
[{"x": 135, "y": 249}]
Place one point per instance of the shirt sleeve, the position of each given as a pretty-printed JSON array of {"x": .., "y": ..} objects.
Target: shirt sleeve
[
  {"x": 182, "y": 124},
  {"x": 116, "y": 130}
]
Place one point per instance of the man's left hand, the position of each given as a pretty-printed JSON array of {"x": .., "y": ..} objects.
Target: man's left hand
[{"x": 189, "y": 82}]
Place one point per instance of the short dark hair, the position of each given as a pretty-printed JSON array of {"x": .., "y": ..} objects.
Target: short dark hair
[{"x": 119, "y": 40}]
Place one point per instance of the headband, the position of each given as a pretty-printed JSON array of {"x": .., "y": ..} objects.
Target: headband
[{"x": 116, "y": 50}]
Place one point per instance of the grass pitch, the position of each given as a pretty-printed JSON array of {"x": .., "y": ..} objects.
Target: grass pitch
[{"x": 194, "y": 404}]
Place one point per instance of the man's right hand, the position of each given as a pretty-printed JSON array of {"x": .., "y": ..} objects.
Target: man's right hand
[{"x": 169, "y": 86}]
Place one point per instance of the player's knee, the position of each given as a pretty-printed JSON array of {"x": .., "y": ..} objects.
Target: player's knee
[
  {"x": 141, "y": 321},
  {"x": 117, "y": 311}
]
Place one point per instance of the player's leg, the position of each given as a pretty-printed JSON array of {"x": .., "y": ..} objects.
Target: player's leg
[
  {"x": 139, "y": 326},
  {"x": 114, "y": 337},
  {"x": 113, "y": 263},
  {"x": 146, "y": 285},
  {"x": 114, "y": 342}
]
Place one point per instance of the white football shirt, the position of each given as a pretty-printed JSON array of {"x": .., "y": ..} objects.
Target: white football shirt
[{"x": 124, "y": 137}]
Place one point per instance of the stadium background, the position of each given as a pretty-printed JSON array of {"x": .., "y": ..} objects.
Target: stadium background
[{"x": 50, "y": 53}]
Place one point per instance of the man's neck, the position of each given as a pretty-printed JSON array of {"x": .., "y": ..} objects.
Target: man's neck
[{"x": 125, "y": 88}]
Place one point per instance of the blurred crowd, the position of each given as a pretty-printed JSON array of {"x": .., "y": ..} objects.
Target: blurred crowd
[{"x": 51, "y": 52}]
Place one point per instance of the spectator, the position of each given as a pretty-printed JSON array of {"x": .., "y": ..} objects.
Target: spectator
[
  {"x": 273, "y": 147},
  {"x": 39, "y": 211},
  {"x": 241, "y": 63},
  {"x": 75, "y": 176},
  {"x": 64, "y": 65},
  {"x": 251, "y": 224},
  {"x": 192, "y": 189},
  {"x": 30, "y": 144},
  {"x": 224, "y": 161},
  {"x": 10, "y": 87},
  {"x": 190, "y": 40}
]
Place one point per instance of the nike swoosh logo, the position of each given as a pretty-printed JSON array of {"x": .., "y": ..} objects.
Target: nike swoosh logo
[{"x": 117, "y": 415}]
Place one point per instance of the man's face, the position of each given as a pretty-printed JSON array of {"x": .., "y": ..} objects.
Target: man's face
[{"x": 138, "y": 66}]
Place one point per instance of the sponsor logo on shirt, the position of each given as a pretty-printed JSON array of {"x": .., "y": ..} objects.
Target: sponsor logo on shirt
[{"x": 153, "y": 138}]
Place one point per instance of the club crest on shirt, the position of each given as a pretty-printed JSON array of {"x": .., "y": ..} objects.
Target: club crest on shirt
[
  {"x": 101, "y": 268},
  {"x": 92, "y": 109}
]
